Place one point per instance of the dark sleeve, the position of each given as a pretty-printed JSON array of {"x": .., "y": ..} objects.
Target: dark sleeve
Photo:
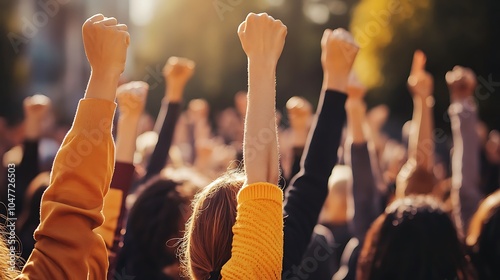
[
  {"x": 165, "y": 136},
  {"x": 364, "y": 191},
  {"x": 27, "y": 170},
  {"x": 309, "y": 188},
  {"x": 297, "y": 155},
  {"x": 122, "y": 181}
]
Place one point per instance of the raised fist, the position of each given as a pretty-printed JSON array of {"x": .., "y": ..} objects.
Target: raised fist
[
  {"x": 178, "y": 70},
  {"x": 106, "y": 44},
  {"x": 36, "y": 106},
  {"x": 262, "y": 37},
  {"x": 37, "y": 115},
  {"x": 420, "y": 82},
  {"x": 131, "y": 98},
  {"x": 198, "y": 110},
  {"x": 299, "y": 113},
  {"x": 338, "y": 51},
  {"x": 461, "y": 82}
]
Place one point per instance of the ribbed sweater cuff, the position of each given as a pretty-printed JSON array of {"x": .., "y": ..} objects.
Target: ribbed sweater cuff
[{"x": 260, "y": 191}]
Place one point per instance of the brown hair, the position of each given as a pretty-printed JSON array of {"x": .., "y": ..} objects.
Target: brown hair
[
  {"x": 482, "y": 238},
  {"x": 206, "y": 246},
  {"x": 413, "y": 239},
  {"x": 7, "y": 272}
]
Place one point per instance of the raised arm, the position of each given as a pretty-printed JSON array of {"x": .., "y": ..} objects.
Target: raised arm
[
  {"x": 257, "y": 248},
  {"x": 263, "y": 40},
  {"x": 131, "y": 99},
  {"x": 421, "y": 86},
  {"x": 466, "y": 148},
  {"x": 300, "y": 116},
  {"x": 67, "y": 247},
  {"x": 177, "y": 72},
  {"x": 360, "y": 155},
  {"x": 36, "y": 110},
  {"x": 416, "y": 175},
  {"x": 308, "y": 190}
]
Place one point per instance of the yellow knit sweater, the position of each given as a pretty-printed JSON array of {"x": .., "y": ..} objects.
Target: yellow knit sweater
[{"x": 257, "y": 249}]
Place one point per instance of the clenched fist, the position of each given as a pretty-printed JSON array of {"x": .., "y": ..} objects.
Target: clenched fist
[
  {"x": 299, "y": 113},
  {"x": 420, "y": 82},
  {"x": 37, "y": 111},
  {"x": 106, "y": 44},
  {"x": 131, "y": 98},
  {"x": 262, "y": 37},
  {"x": 36, "y": 107},
  {"x": 338, "y": 51},
  {"x": 178, "y": 70},
  {"x": 461, "y": 82}
]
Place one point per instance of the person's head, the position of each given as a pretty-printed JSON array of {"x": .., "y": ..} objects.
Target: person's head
[
  {"x": 483, "y": 238},
  {"x": 335, "y": 207},
  {"x": 155, "y": 221},
  {"x": 413, "y": 239},
  {"x": 208, "y": 238}
]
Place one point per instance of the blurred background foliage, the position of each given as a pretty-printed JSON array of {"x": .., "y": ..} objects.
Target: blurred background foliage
[{"x": 450, "y": 32}]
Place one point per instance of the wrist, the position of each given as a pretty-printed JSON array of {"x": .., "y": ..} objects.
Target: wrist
[
  {"x": 174, "y": 92},
  {"x": 424, "y": 100},
  {"x": 129, "y": 119},
  {"x": 102, "y": 85},
  {"x": 336, "y": 82},
  {"x": 262, "y": 63}
]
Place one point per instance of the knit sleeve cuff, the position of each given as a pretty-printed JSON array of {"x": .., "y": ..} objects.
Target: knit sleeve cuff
[{"x": 260, "y": 191}]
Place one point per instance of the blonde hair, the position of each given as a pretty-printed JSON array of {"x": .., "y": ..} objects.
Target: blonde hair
[{"x": 206, "y": 245}]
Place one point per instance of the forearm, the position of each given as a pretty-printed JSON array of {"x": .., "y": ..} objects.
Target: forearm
[
  {"x": 102, "y": 85},
  {"x": 308, "y": 190},
  {"x": 421, "y": 142},
  {"x": 126, "y": 138},
  {"x": 365, "y": 195},
  {"x": 260, "y": 138},
  {"x": 465, "y": 159},
  {"x": 356, "y": 116},
  {"x": 167, "y": 125}
]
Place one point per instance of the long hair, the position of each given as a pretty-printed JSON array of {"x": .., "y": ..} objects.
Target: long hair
[
  {"x": 207, "y": 242},
  {"x": 483, "y": 238},
  {"x": 8, "y": 270},
  {"x": 413, "y": 240},
  {"x": 158, "y": 216}
]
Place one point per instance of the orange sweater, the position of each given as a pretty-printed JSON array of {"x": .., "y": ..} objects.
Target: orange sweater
[
  {"x": 257, "y": 249},
  {"x": 67, "y": 247}
]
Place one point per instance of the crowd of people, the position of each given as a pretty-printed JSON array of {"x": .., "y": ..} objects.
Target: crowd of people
[{"x": 328, "y": 197}]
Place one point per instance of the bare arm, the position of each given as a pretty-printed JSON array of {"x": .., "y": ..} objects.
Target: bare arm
[
  {"x": 263, "y": 40},
  {"x": 421, "y": 143}
]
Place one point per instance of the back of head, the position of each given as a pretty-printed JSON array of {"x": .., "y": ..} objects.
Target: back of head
[
  {"x": 157, "y": 216},
  {"x": 413, "y": 240},
  {"x": 208, "y": 238},
  {"x": 484, "y": 237}
]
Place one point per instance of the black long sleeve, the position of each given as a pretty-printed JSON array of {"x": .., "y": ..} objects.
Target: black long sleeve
[
  {"x": 165, "y": 136},
  {"x": 308, "y": 190},
  {"x": 365, "y": 194},
  {"x": 27, "y": 170}
]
